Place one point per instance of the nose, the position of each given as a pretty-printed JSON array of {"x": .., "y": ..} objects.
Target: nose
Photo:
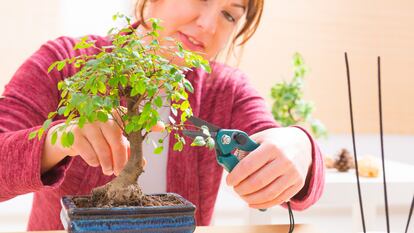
[{"x": 207, "y": 21}]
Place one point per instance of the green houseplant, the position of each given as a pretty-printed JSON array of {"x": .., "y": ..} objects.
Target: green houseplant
[
  {"x": 132, "y": 69},
  {"x": 288, "y": 107}
]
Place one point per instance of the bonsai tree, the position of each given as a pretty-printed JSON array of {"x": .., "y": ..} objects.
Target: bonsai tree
[
  {"x": 289, "y": 108},
  {"x": 134, "y": 70}
]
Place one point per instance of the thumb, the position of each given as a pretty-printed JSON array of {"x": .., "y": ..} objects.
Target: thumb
[
  {"x": 257, "y": 137},
  {"x": 144, "y": 162}
]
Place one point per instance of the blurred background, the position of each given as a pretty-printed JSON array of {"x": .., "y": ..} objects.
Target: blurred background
[{"x": 321, "y": 31}]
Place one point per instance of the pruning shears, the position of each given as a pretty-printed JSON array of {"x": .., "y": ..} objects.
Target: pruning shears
[{"x": 229, "y": 143}]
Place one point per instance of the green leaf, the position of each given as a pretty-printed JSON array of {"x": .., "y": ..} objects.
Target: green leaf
[
  {"x": 54, "y": 137},
  {"x": 123, "y": 80},
  {"x": 67, "y": 111},
  {"x": 206, "y": 67},
  {"x": 179, "y": 54},
  {"x": 102, "y": 116},
  {"x": 82, "y": 121},
  {"x": 174, "y": 111},
  {"x": 178, "y": 146},
  {"x": 64, "y": 140},
  {"x": 134, "y": 92},
  {"x": 32, "y": 135},
  {"x": 52, "y": 66},
  {"x": 158, "y": 101},
  {"x": 70, "y": 138},
  {"x": 51, "y": 115},
  {"x": 188, "y": 86},
  {"x": 205, "y": 130},
  {"x": 158, "y": 150},
  {"x": 172, "y": 120},
  {"x": 210, "y": 143},
  {"x": 40, "y": 133},
  {"x": 183, "y": 117},
  {"x": 46, "y": 124},
  {"x": 62, "y": 110},
  {"x": 129, "y": 127},
  {"x": 198, "y": 141},
  {"x": 141, "y": 86},
  {"x": 101, "y": 87},
  {"x": 185, "y": 105},
  {"x": 61, "y": 65}
]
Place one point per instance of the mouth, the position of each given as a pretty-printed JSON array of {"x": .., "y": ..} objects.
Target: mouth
[{"x": 191, "y": 42}]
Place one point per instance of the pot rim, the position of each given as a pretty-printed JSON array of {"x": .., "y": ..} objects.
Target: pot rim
[{"x": 69, "y": 205}]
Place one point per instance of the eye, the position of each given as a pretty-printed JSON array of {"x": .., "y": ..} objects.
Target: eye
[{"x": 228, "y": 16}]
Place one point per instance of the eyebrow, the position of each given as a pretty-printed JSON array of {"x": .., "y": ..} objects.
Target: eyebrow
[{"x": 239, "y": 6}]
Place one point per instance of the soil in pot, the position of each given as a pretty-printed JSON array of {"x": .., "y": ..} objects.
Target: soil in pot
[{"x": 134, "y": 197}]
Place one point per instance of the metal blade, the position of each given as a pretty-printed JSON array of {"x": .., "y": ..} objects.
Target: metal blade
[
  {"x": 199, "y": 122},
  {"x": 193, "y": 134}
]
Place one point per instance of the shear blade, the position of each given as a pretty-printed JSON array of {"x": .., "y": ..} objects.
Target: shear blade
[
  {"x": 193, "y": 134},
  {"x": 199, "y": 122}
]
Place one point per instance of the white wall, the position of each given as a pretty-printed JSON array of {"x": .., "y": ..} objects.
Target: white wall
[
  {"x": 26, "y": 25},
  {"x": 93, "y": 18}
]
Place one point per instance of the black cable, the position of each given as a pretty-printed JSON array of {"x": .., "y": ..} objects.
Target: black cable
[{"x": 291, "y": 218}]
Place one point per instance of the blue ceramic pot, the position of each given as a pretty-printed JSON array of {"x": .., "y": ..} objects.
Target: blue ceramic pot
[{"x": 151, "y": 219}]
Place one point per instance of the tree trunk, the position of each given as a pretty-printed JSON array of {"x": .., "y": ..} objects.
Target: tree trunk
[{"x": 125, "y": 187}]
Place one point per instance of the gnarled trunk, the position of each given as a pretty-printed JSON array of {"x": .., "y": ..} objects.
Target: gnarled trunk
[{"x": 124, "y": 189}]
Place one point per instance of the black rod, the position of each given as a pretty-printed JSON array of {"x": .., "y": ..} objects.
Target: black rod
[
  {"x": 353, "y": 142},
  {"x": 409, "y": 215},
  {"x": 382, "y": 145}
]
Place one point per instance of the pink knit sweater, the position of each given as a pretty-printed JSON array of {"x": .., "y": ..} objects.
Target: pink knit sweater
[{"x": 223, "y": 98}]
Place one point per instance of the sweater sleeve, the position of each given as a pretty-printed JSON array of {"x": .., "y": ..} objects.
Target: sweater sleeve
[
  {"x": 28, "y": 98},
  {"x": 250, "y": 114}
]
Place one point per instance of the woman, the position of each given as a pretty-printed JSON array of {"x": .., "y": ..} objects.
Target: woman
[{"x": 286, "y": 166}]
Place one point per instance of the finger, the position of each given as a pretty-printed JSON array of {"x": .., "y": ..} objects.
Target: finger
[
  {"x": 252, "y": 162},
  {"x": 159, "y": 127},
  {"x": 144, "y": 162},
  {"x": 82, "y": 147},
  {"x": 259, "y": 137},
  {"x": 117, "y": 114},
  {"x": 261, "y": 178},
  {"x": 270, "y": 192},
  {"x": 283, "y": 197},
  {"x": 95, "y": 137},
  {"x": 113, "y": 136},
  {"x": 128, "y": 147}
]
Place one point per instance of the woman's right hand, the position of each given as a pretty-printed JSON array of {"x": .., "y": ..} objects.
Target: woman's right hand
[{"x": 98, "y": 143}]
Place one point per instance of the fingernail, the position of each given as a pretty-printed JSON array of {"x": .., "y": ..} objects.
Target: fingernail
[{"x": 108, "y": 172}]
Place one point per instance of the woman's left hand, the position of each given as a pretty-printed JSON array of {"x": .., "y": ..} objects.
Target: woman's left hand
[{"x": 274, "y": 172}]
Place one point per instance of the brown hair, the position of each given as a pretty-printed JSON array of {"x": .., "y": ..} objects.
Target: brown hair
[{"x": 252, "y": 18}]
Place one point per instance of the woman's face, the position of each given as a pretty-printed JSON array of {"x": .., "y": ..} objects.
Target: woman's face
[{"x": 201, "y": 25}]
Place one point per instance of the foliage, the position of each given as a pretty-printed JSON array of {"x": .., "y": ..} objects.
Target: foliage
[
  {"x": 289, "y": 108},
  {"x": 133, "y": 68}
]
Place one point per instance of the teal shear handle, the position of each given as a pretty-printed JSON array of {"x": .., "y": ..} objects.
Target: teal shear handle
[{"x": 228, "y": 140}]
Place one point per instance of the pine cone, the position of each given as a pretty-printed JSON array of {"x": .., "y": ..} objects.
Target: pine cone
[{"x": 344, "y": 162}]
